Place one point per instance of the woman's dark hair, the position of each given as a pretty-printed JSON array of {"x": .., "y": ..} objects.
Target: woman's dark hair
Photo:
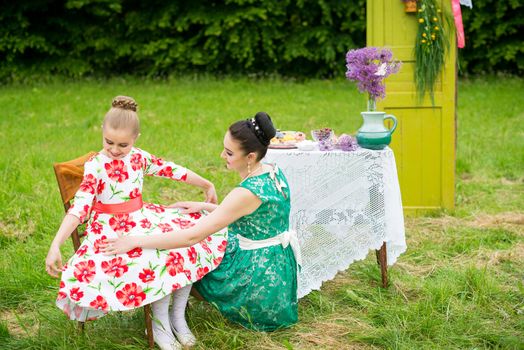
[{"x": 254, "y": 134}]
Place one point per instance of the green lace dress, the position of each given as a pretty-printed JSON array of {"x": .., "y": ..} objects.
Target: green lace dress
[{"x": 257, "y": 288}]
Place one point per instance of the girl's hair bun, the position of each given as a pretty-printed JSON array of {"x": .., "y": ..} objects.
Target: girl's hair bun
[
  {"x": 125, "y": 102},
  {"x": 263, "y": 120}
]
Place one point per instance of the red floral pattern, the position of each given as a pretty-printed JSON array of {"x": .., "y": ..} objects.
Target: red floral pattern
[
  {"x": 147, "y": 275},
  {"x": 93, "y": 283},
  {"x": 135, "y": 253},
  {"x": 145, "y": 223},
  {"x": 116, "y": 267},
  {"x": 202, "y": 271},
  {"x": 136, "y": 161},
  {"x": 166, "y": 172},
  {"x": 96, "y": 227},
  {"x": 97, "y": 243},
  {"x": 192, "y": 254},
  {"x": 134, "y": 194},
  {"x": 155, "y": 208},
  {"x": 82, "y": 250},
  {"x": 217, "y": 261},
  {"x": 100, "y": 188},
  {"x": 88, "y": 184},
  {"x": 174, "y": 263},
  {"x": 182, "y": 223},
  {"x": 99, "y": 303},
  {"x": 131, "y": 295},
  {"x": 195, "y": 216},
  {"x": 205, "y": 247},
  {"x": 157, "y": 161},
  {"x": 85, "y": 271},
  {"x": 116, "y": 170},
  {"x": 222, "y": 247},
  {"x": 165, "y": 228},
  {"x": 81, "y": 214},
  {"x": 121, "y": 223},
  {"x": 76, "y": 294}
]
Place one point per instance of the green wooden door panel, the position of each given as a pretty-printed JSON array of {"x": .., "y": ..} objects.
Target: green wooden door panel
[{"x": 424, "y": 142}]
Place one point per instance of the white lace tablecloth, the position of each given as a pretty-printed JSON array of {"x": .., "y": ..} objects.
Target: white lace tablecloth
[{"x": 343, "y": 204}]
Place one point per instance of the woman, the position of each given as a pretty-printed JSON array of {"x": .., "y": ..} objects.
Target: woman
[{"x": 256, "y": 283}]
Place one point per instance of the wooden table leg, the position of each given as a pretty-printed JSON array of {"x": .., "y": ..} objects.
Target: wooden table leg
[
  {"x": 149, "y": 326},
  {"x": 382, "y": 260}
]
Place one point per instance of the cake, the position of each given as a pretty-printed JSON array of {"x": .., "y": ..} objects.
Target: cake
[{"x": 288, "y": 138}]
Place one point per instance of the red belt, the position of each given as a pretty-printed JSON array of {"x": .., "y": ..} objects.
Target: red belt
[{"x": 120, "y": 208}]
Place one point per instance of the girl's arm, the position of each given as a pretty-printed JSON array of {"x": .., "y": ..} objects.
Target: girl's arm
[
  {"x": 77, "y": 213},
  {"x": 206, "y": 185},
  {"x": 238, "y": 203},
  {"x": 53, "y": 261},
  {"x": 155, "y": 166}
]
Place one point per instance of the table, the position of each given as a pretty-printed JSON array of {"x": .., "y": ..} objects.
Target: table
[{"x": 343, "y": 204}]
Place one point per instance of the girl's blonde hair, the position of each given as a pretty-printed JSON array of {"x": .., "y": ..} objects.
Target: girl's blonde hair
[{"x": 122, "y": 115}]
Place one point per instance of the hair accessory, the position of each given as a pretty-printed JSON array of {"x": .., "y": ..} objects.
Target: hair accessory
[{"x": 261, "y": 136}]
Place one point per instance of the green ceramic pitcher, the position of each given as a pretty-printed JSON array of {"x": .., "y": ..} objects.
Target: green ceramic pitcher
[{"x": 373, "y": 134}]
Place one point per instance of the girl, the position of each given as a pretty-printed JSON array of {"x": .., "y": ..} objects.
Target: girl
[
  {"x": 110, "y": 199},
  {"x": 256, "y": 283}
]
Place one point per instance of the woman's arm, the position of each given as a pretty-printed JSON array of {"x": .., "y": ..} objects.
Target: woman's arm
[
  {"x": 238, "y": 203},
  {"x": 53, "y": 260},
  {"x": 193, "y": 207}
]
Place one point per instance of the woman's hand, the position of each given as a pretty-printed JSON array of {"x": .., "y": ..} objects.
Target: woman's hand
[
  {"x": 53, "y": 261},
  {"x": 189, "y": 207},
  {"x": 118, "y": 245}
]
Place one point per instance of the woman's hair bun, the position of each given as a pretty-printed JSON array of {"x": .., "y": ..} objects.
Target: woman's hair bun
[
  {"x": 263, "y": 120},
  {"x": 125, "y": 102}
]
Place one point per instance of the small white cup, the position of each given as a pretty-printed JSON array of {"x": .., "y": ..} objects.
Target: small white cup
[{"x": 306, "y": 145}]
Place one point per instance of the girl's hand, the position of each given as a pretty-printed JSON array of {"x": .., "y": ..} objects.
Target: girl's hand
[
  {"x": 53, "y": 262},
  {"x": 188, "y": 207},
  {"x": 211, "y": 194},
  {"x": 118, "y": 245}
]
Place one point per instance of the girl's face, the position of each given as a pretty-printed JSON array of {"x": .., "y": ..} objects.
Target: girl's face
[
  {"x": 234, "y": 156},
  {"x": 117, "y": 143}
]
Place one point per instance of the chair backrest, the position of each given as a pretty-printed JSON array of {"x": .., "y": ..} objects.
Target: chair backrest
[{"x": 69, "y": 176}]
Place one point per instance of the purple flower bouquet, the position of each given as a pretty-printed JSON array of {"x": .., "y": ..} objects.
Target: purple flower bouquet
[
  {"x": 369, "y": 67},
  {"x": 347, "y": 143}
]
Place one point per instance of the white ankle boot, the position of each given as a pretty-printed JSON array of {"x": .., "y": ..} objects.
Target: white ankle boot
[
  {"x": 162, "y": 334},
  {"x": 178, "y": 317}
]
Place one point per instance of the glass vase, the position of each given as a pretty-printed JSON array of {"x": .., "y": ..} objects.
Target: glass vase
[{"x": 372, "y": 104}]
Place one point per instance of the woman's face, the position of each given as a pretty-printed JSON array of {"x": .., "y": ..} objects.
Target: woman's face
[
  {"x": 233, "y": 155},
  {"x": 117, "y": 143}
]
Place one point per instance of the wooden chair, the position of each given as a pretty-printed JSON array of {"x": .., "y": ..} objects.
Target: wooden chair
[{"x": 69, "y": 176}]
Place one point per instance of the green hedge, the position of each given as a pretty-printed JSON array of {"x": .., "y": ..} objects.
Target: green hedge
[
  {"x": 493, "y": 30},
  {"x": 156, "y": 38}
]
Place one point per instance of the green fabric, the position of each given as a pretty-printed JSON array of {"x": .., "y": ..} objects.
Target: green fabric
[{"x": 257, "y": 288}]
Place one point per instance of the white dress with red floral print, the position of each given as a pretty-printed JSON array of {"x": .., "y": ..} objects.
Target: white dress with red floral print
[{"x": 92, "y": 283}]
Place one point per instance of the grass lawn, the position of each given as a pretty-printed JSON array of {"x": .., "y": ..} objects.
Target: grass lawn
[{"x": 459, "y": 285}]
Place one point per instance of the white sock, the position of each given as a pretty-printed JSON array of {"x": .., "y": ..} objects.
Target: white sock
[
  {"x": 178, "y": 310},
  {"x": 161, "y": 329}
]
